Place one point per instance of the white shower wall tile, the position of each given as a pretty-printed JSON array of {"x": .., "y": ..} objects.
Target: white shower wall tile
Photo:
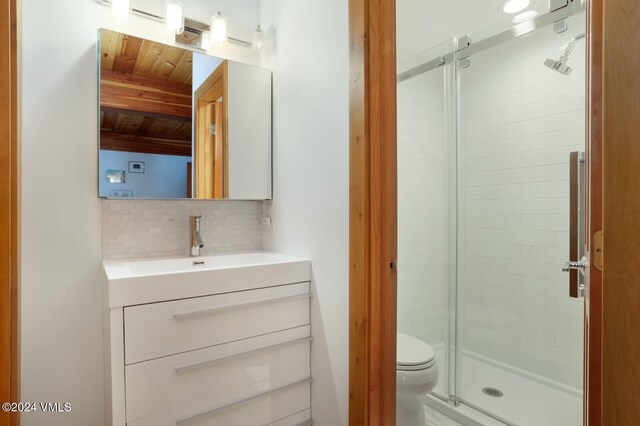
[{"x": 134, "y": 229}]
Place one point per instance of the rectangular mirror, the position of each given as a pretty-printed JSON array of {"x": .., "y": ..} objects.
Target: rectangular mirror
[{"x": 176, "y": 123}]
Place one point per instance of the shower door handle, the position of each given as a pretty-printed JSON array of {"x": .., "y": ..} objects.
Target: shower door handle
[
  {"x": 579, "y": 265},
  {"x": 576, "y": 267}
]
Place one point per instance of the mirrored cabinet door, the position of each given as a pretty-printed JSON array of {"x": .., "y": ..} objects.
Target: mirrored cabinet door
[{"x": 176, "y": 123}]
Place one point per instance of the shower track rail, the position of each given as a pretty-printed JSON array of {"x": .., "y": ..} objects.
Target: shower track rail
[{"x": 572, "y": 8}]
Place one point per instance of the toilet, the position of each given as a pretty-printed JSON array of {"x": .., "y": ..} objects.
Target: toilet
[{"x": 416, "y": 375}]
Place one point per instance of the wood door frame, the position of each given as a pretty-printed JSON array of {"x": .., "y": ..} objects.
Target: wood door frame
[
  {"x": 9, "y": 211},
  {"x": 372, "y": 213},
  {"x": 614, "y": 126},
  {"x": 372, "y": 239},
  {"x": 207, "y": 149}
]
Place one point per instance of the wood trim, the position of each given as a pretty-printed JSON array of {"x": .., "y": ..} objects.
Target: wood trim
[
  {"x": 125, "y": 62},
  {"x": 126, "y": 92},
  {"x": 211, "y": 152},
  {"x": 621, "y": 212},
  {"x": 144, "y": 144},
  {"x": 215, "y": 81},
  {"x": 225, "y": 126},
  {"x": 147, "y": 83},
  {"x": 9, "y": 211},
  {"x": 593, "y": 297},
  {"x": 148, "y": 114},
  {"x": 203, "y": 150},
  {"x": 219, "y": 165},
  {"x": 373, "y": 221}
]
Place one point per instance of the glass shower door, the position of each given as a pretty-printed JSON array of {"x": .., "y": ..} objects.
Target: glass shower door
[
  {"x": 427, "y": 203},
  {"x": 483, "y": 218},
  {"x": 521, "y": 335}
]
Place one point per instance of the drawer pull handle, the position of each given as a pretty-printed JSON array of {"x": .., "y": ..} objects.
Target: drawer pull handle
[
  {"x": 224, "y": 358},
  {"x": 214, "y": 311},
  {"x": 243, "y": 401}
]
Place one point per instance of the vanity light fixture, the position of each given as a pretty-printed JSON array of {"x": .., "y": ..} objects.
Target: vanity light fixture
[
  {"x": 525, "y": 16},
  {"x": 120, "y": 8},
  {"x": 188, "y": 31},
  {"x": 257, "y": 38},
  {"x": 205, "y": 40},
  {"x": 218, "y": 29},
  {"x": 175, "y": 18},
  {"x": 513, "y": 6}
]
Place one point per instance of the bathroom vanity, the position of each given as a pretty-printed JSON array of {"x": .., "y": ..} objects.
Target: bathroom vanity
[{"x": 218, "y": 340}]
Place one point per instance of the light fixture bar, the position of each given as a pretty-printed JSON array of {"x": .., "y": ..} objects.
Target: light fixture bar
[
  {"x": 148, "y": 15},
  {"x": 135, "y": 11},
  {"x": 240, "y": 42},
  {"x": 191, "y": 26},
  {"x": 193, "y": 33}
]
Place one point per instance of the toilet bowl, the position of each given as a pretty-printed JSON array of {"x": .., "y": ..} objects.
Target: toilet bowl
[{"x": 416, "y": 375}]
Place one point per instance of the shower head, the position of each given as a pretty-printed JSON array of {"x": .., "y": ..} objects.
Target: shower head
[{"x": 560, "y": 65}]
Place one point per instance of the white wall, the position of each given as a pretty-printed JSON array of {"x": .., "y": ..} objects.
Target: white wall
[
  {"x": 311, "y": 176},
  {"x": 165, "y": 176},
  {"x": 61, "y": 216},
  {"x": 203, "y": 66}
]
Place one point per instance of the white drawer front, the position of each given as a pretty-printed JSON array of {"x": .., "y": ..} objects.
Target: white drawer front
[
  {"x": 167, "y": 328},
  {"x": 203, "y": 375},
  {"x": 258, "y": 405}
]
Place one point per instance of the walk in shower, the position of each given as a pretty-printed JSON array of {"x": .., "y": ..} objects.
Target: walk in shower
[{"x": 486, "y": 125}]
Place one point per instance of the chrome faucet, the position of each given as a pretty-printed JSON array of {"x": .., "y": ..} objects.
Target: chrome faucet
[{"x": 195, "y": 238}]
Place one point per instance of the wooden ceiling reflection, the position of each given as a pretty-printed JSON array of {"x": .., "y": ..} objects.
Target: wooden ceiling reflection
[{"x": 145, "y": 96}]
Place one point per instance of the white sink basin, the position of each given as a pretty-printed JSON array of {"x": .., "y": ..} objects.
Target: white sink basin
[
  {"x": 139, "y": 268},
  {"x": 151, "y": 280}
]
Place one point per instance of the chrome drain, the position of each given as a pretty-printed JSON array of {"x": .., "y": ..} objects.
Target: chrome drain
[{"x": 493, "y": 392}]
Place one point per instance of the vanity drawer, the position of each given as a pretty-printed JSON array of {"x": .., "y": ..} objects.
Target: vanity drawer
[
  {"x": 281, "y": 401},
  {"x": 167, "y": 328},
  {"x": 208, "y": 374},
  {"x": 302, "y": 418}
]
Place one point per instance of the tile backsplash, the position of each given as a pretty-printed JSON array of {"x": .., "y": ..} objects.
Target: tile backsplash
[{"x": 154, "y": 228}]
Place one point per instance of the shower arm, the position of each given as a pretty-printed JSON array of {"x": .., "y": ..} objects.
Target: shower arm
[{"x": 570, "y": 47}]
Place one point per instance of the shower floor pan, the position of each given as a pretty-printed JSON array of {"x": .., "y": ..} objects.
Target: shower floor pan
[{"x": 527, "y": 400}]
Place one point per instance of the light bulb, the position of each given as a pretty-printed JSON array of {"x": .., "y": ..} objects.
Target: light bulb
[
  {"x": 257, "y": 38},
  {"x": 514, "y": 6},
  {"x": 120, "y": 8},
  {"x": 175, "y": 19},
  {"x": 205, "y": 41},
  {"x": 218, "y": 30}
]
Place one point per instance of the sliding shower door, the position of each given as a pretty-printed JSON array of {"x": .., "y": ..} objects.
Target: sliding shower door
[
  {"x": 427, "y": 203},
  {"x": 521, "y": 334}
]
